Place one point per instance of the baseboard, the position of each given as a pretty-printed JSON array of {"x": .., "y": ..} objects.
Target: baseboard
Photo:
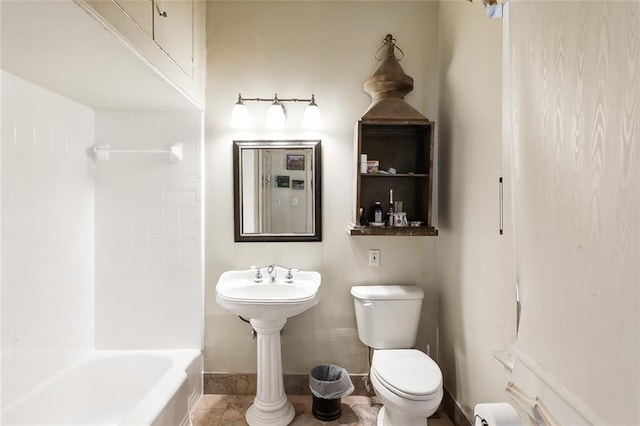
[
  {"x": 294, "y": 384},
  {"x": 453, "y": 410},
  {"x": 298, "y": 384}
]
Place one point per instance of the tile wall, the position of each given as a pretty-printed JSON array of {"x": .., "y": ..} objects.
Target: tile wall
[
  {"x": 47, "y": 234},
  {"x": 104, "y": 255},
  {"x": 148, "y": 233}
]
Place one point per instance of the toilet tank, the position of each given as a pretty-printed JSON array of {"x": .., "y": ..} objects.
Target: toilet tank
[{"x": 387, "y": 316}]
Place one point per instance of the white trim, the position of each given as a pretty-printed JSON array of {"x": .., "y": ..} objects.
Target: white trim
[{"x": 559, "y": 400}]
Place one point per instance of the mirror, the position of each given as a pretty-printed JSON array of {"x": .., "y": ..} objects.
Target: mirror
[{"x": 277, "y": 190}]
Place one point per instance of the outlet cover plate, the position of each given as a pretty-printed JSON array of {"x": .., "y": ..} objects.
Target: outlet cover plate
[{"x": 374, "y": 257}]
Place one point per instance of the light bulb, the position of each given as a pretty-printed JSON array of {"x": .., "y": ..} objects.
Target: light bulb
[
  {"x": 275, "y": 116},
  {"x": 240, "y": 115},
  {"x": 312, "y": 119}
]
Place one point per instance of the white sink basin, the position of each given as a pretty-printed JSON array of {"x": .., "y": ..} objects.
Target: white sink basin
[{"x": 238, "y": 292}]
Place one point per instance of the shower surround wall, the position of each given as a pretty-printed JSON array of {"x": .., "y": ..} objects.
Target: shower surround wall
[
  {"x": 47, "y": 234},
  {"x": 148, "y": 233},
  {"x": 96, "y": 255}
]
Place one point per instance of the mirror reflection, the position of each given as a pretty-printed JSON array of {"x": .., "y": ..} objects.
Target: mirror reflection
[{"x": 277, "y": 190}]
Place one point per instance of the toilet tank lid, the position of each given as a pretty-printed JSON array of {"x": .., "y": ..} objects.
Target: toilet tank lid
[{"x": 387, "y": 292}]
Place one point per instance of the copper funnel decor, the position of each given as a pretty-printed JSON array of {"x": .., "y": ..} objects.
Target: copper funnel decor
[{"x": 388, "y": 86}]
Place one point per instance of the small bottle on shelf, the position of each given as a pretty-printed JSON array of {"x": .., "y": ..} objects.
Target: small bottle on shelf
[
  {"x": 390, "y": 212},
  {"x": 377, "y": 212}
]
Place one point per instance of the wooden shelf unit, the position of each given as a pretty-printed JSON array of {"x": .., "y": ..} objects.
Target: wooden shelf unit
[{"x": 406, "y": 146}]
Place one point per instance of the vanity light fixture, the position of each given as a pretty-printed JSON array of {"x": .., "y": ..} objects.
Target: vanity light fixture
[{"x": 276, "y": 115}]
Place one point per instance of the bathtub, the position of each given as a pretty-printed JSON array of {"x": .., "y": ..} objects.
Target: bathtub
[{"x": 115, "y": 388}]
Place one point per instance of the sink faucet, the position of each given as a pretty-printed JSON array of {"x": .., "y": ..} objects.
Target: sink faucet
[{"x": 272, "y": 273}]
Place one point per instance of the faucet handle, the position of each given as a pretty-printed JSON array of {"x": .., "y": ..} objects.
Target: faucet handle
[
  {"x": 289, "y": 277},
  {"x": 258, "y": 277}
]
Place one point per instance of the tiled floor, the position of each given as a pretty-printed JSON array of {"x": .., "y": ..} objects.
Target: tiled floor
[{"x": 228, "y": 410}]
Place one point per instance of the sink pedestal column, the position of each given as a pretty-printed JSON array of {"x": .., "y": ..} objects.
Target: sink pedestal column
[{"x": 270, "y": 406}]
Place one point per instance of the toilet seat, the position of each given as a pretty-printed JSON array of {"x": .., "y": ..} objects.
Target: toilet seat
[{"x": 408, "y": 373}]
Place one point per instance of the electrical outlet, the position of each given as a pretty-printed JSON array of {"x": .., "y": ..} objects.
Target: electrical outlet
[{"x": 374, "y": 257}]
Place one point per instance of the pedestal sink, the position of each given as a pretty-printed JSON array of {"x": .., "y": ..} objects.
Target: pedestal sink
[{"x": 267, "y": 297}]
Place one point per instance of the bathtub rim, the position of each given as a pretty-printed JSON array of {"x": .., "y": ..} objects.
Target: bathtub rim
[{"x": 147, "y": 408}]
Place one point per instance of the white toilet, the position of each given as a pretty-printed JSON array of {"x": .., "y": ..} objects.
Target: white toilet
[{"x": 407, "y": 381}]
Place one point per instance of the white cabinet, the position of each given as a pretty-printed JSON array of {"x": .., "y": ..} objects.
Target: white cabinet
[
  {"x": 173, "y": 31},
  {"x": 168, "y": 34},
  {"x": 140, "y": 11}
]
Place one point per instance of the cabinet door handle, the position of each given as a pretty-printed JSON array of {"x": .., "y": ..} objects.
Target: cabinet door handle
[
  {"x": 163, "y": 13},
  {"x": 501, "y": 204}
]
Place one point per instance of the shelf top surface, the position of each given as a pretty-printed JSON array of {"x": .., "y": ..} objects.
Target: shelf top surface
[{"x": 404, "y": 231}]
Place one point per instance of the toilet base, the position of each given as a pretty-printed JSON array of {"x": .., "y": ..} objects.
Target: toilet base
[{"x": 380, "y": 418}]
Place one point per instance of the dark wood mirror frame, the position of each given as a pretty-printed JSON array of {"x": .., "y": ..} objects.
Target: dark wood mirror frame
[{"x": 316, "y": 164}]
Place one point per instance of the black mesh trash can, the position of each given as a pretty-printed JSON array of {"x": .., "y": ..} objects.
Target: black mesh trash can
[{"x": 328, "y": 383}]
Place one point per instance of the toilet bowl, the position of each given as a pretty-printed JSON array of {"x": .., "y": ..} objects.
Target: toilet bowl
[
  {"x": 407, "y": 381},
  {"x": 409, "y": 385}
]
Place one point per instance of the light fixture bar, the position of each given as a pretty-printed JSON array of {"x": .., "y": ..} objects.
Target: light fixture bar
[
  {"x": 276, "y": 116},
  {"x": 240, "y": 98}
]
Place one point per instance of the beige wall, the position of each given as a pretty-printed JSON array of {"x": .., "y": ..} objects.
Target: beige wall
[
  {"x": 475, "y": 272},
  {"x": 295, "y": 49},
  {"x": 575, "y": 75},
  {"x": 572, "y": 157}
]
